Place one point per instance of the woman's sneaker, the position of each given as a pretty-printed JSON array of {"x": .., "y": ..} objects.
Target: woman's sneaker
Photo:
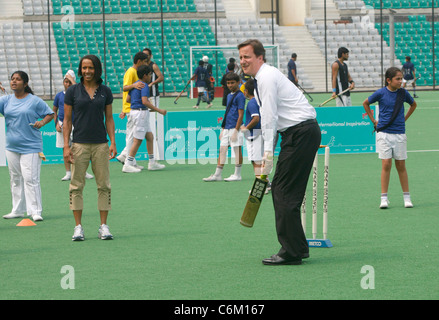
[
  {"x": 408, "y": 203},
  {"x": 37, "y": 217},
  {"x": 384, "y": 203},
  {"x": 78, "y": 233},
  {"x": 13, "y": 215},
  {"x": 104, "y": 233}
]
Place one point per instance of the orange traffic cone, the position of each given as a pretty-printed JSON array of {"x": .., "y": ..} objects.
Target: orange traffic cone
[{"x": 26, "y": 223}]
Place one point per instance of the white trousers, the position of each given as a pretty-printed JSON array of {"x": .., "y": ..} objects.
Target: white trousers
[
  {"x": 343, "y": 101},
  {"x": 141, "y": 123},
  {"x": 24, "y": 170},
  {"x": 128, "y": 136}
]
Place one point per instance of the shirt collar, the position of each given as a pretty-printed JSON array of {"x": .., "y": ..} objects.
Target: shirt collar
[
  {"x": 263, "y": 66},
  {"x": 391, "y": 90}
]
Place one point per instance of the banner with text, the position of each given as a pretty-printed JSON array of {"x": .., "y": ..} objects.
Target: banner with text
[{"x": 193, "y": 136}]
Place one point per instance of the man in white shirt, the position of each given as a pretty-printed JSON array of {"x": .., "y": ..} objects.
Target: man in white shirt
[{"x": 285, "y": 110}]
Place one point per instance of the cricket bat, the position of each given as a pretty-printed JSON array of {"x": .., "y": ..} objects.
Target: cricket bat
[{"x": 254, "y": 201}]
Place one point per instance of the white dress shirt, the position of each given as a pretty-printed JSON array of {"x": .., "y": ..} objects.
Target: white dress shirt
[{"x": 282, "y": 104}]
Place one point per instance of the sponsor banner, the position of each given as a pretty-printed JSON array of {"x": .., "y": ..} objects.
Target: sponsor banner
[
  {"x": 346, "y": 129},
  {"x": 193, "y": 136}
]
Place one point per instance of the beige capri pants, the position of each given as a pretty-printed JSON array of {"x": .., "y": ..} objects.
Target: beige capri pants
[{"x": 97, "y": 154}]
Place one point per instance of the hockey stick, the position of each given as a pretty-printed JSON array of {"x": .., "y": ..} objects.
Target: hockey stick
[
  {"x": 304, "y": 91},
  {"x": 332, "y": 98},
  {"x": 178, "y": 97}
]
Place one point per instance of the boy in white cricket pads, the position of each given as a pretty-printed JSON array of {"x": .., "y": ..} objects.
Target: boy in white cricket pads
[
  {"x": 139, "y": 99},
  {"x": 390, "y": 127},
  {"x": 252, "y": 130},
  {"x": 230, "y": 135}
]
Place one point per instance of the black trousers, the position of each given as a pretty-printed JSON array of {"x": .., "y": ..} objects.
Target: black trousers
[{"x": 298, "y": 149}]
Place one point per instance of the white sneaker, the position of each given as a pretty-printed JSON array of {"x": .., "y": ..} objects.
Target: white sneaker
[
  {"x": 121, "y": 158},
  {"x": 408, "y": 203},
  {"x": 88, "y": 175},
  {"x": 139, "y": 167},
  {"x": 195, "y": 107},
  {"x": 233, "y": 178},
  {"x": 37, "y": 217},
  {"x": 130, "y": 169},
  {"x": 155, "y": 166},
  {"x": 78, "y": 233},
  {"x": 384, "y": 203},
  {"x": 208, "y": 106},
  {"x": 212, "y": 177},
  {"x": 104, "y": 233},
  {"x": 13, "y": 215},
  {"x": 67, "y": 177}
]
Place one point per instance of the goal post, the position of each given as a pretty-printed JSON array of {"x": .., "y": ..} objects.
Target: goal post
[{"x": 219, "y": 58}]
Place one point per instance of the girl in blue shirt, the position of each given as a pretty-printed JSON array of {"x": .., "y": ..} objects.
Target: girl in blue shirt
[
  {"x": 24, "y": 145},
  {"x": 391, "y": 137}
]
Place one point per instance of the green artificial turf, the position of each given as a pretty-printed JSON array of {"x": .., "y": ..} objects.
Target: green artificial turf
[{"x": 177, "y": 237}]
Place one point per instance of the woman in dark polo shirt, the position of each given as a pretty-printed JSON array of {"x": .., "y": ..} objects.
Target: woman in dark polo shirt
[{"x": 91, "y": 102}]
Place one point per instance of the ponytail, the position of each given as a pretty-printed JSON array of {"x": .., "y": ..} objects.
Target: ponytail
[{"x": 28, "y": 90}]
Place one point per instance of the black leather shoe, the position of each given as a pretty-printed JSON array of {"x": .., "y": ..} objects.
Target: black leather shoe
[{"x": 275, "y": 260}]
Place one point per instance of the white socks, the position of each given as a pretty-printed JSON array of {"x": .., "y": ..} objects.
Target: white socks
[
  {"x": 218, "y": 171},
  {"x": 237, "y": 173},
  {"x": 238, "y": 170},
  {"x": 129, "y": 161}
]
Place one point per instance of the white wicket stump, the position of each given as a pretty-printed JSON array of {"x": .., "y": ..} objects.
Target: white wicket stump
[{"x": 315, "y": 241}]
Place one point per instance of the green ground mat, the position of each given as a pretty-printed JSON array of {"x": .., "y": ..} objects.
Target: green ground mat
[{"x": 177, "y": 237}]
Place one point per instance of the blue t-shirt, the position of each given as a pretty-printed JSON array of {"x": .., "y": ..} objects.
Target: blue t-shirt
[
  {"x": 59, "y": 103},
  {"x": 408, "y": 68},
  {"x": 386, "y": 101},
  {"x": 252, "y": 111},
  {"x": 202, "y": 76},
  {"x": 238, "y": 103},
  {"x": 136, "y": 96},
  {"x": 20, "y": 136}
]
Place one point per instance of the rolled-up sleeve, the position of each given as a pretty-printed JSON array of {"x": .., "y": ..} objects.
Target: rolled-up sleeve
[{"x": 267, "y": 88}]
